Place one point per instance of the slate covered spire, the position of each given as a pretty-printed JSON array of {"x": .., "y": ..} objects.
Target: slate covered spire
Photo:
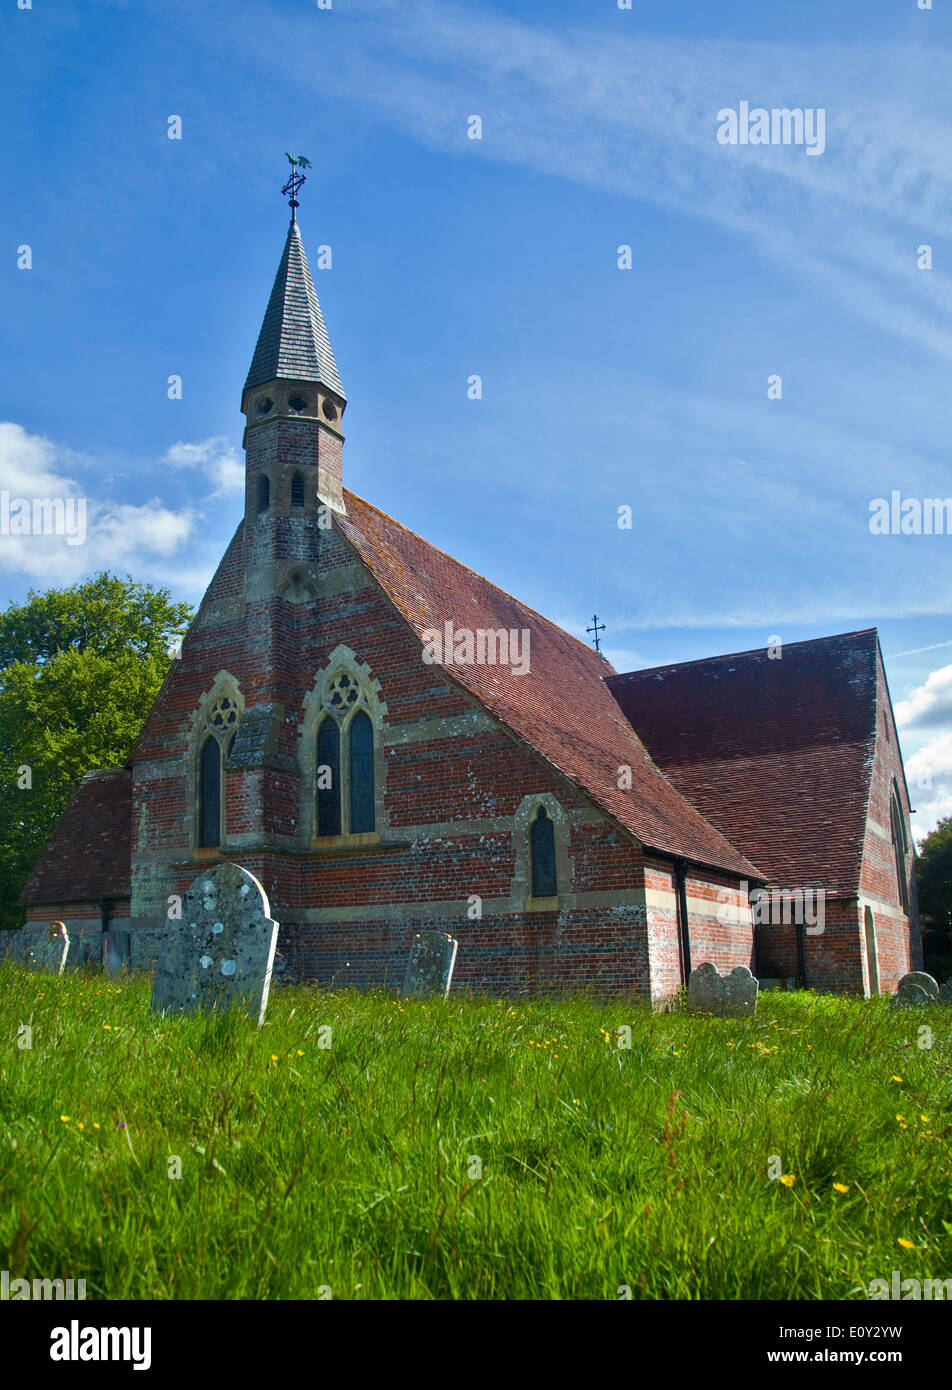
[{"x": 293, "y": 342}]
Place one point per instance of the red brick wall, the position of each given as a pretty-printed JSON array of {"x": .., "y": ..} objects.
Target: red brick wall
[{"x": 897, "y": 932}]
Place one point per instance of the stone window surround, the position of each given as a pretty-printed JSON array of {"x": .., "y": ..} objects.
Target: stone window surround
[
  {"x": 521, "y": 830},
  {"x": 224, "y": 686},
  {"x": 342, "y": 660}
]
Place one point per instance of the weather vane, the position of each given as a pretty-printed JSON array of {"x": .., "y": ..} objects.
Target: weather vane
[
  {"x": 598, "y": 627},
  {"x": 296, "y": 181}
]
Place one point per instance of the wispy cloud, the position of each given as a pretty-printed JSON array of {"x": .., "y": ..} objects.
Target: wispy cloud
[{"x": 635, "y": 114}]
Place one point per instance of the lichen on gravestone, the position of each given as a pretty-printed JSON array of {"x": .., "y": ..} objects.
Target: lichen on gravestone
[
  {"x": 430, "y": 967},
  {"x": 731, "y": 996},
  {"x": 916, "y": 988},
  {"x": 221, "y": 955},
  {"x": 50, "y": 955}
]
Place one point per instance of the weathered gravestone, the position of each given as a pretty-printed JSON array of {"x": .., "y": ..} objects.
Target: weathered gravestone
[
  {"x": 116, "y": 950},
  {"x": 430, "y": 967},
  {"x": 19, "y": 949},
  {"x": 945, "y": 993},
  {"x": 729, "y": 996},
  {"x": 50, "y": 954},
  {"x": 221, "y": 955},
  {"x": 917, "y": 988}
]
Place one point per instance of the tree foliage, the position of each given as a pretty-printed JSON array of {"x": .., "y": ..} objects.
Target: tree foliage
[
  {"x": 79, "y": 671},
  {"x": 934, "y": 892}
]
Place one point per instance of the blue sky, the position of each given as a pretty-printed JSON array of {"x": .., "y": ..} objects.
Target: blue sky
[{"x": 499, "y": 257}]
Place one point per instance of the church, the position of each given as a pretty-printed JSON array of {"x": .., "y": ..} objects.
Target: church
[{"x": 391, "y": 743}]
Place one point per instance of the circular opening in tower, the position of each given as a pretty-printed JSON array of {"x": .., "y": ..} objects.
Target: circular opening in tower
[
  {"x": 297, "y": 404},
  {"x": 330, "y": 411},
  {"x": 264, "y": 405}
]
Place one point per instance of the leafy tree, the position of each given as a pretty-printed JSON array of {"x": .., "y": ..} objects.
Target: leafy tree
[
  {"x": 79, "y": 671},
  {"x": 934, "y": 892}
]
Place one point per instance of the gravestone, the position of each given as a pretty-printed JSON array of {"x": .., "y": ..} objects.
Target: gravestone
[
  {"x": 727, "y": 996},
  {"x": 116, "y": 951},
  {"x": 945, "y": 993},
  {"x": 917, "y": 988},
  {"x": 50, "y": 953},
  {"x": 19, "y": 949},
  {"x": 221, "y": 955},
  {"x": 430, "y": 967}
]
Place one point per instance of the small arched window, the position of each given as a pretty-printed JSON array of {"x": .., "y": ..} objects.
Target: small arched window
[
  {"x": 264, "y": 493},
  {"x": 328, "y": 777},
  {"x": 209, "y": 793},
  {"x": 297, "y": 490},
  {"x": 542, "y": 855}
]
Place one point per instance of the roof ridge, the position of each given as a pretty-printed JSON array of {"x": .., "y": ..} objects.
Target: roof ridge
[{"x": 752, "y": 651}]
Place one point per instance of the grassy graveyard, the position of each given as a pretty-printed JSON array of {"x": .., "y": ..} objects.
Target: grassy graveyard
[{"x": 349, "y": 1161}]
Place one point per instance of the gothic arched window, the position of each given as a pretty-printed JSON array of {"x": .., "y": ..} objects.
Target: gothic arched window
[
  {"x": 542, "y": 855},
  {"x": 297, "y": 490},
  {"x": 264, "y": 493},
  {"x": 361, "y": 733},
  {"x": 328, "y": 777},
  {"x": 346, "y": 793},
  {"x": 213, "y": 752},
  {"x": 900, "y": 846}
]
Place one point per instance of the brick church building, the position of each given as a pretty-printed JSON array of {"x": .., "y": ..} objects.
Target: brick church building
[{"x": 389, "y": 743}]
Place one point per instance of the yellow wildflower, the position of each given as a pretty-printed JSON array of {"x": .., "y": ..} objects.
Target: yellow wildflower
[
  {"x": 840, "y": 1187},
  {"x": 907, "y": 1244},
  {"x": 788, "y": 1179}
]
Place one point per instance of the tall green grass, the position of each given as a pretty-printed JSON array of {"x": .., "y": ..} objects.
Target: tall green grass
[{"x": 354, "y": 1168}]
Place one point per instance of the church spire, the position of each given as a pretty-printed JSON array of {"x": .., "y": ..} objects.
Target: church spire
[
  {"x": 293, "y": 344},
  {"x": 293, "y": 399}
]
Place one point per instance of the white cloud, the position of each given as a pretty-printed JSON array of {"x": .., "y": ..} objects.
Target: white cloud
[
  {"x": 930, "y": 705},
  {"x": 116, "y": 536},
  {"x": 218, "y": 459},
  {"x": 929, "y": 775}
]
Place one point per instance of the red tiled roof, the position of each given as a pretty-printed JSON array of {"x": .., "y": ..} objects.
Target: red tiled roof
[
  {"x": 776, "y": 753},
  {"x": 561, "y": 708},
  {"x": 88, "y": 855}
]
